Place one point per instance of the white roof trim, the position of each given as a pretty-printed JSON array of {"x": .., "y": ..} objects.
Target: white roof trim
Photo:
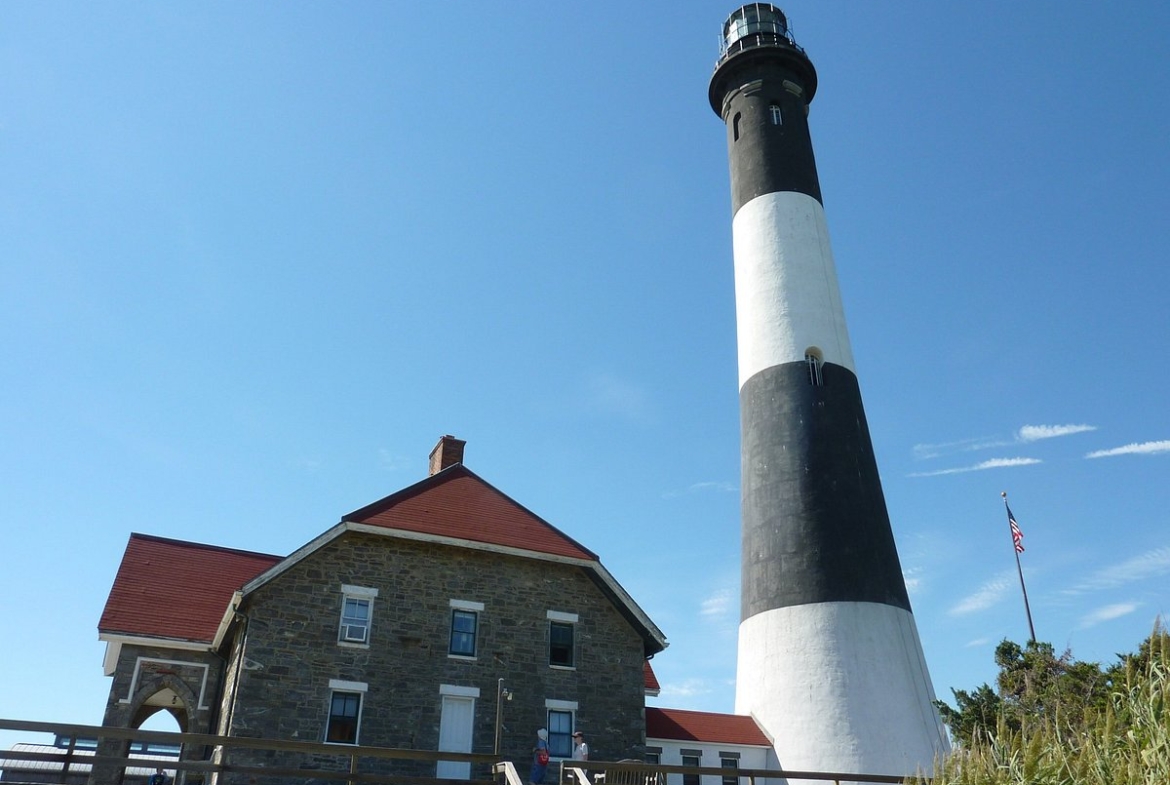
[
  {"x": 166, "y": 643},
  {"x": 337, "y": 530}
]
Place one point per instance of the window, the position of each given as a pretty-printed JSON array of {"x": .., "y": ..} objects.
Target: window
[
  {"x": 814, "y": 369},
  {"x": 774, "y": 114},
  {"x": 732, "y": 765},
  {"x": 357, "y": 606},
  {"x": 345, "y": 711},
  {"x": 560, "y": 644},
  {"x": 653, "y": 755},
  {"x": 735, "y": 127},
  {"x": 560, "y": 733},
  {"x": 463, "y": 626},
  {"x": 691, "y": 758}
]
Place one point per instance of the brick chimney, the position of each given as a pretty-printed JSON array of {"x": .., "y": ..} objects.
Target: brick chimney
[{"x": 447, "y": 453}]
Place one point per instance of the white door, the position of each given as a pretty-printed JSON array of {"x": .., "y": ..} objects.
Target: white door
[{"x": 455, "y": 736}]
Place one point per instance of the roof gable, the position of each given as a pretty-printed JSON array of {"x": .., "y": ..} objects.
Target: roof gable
[
  {"x": 458, "y": 504},
  {"x": 175, "y": 589},
  {"x": 702, "y": 726}
]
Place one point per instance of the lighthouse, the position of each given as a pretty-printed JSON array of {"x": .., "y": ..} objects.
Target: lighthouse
[{"x": 830, "y": 663}]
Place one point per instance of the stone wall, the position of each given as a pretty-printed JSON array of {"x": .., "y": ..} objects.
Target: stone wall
[{"x": 290, "y": 650}]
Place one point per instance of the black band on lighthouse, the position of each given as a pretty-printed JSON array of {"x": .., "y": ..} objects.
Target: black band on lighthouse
[{"x": 815, "y": 526}]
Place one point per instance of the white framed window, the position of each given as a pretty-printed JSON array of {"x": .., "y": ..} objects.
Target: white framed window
[
  {"x": 812, "y": 357},
  {"x": 691, "y": 758},
  {"x": 774, "y": 114},
  {"x": 357, "y": 613},
  {"x": 560, "y": 723},
  {"x": 345, "y": 711},
  {"x": 561, "y": 639},
  {"x": 462, "y": 642}
]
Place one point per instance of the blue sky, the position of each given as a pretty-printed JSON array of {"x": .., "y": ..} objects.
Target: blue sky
[{"x": 258, "y": 257}]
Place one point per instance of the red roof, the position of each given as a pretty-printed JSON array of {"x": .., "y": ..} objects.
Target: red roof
[
  {"x": 681, "y": 725},
  {"x": 457, "y": 503},
  {"x": 649, "y": 680},
  {"x": 174, "y": 589}
]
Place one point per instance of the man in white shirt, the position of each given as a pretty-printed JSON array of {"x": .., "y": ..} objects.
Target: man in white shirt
[{"x": 580, "y": 748}]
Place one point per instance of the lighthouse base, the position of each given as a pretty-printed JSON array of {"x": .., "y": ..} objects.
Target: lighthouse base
[{"x": 840, "y": 687}]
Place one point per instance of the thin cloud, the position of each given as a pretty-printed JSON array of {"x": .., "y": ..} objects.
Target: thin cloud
[
  {"x": 1033, "y": 433},
  {"x": 703, "y": 487},
  {"x": 1107, "y": 613},
  {"x": 391, "y": 462},
  {"x": 976, "y": 642},
  {"x": 994, "y": 463},
  {"x": 1147, "y": 565},
  {"x": 913, "y": 582},
  {"x": 687, "y": 688},
  {"x": 611, "y": 395},
  {"x": 717, "y": 605},
  {"x": 926, "y": 451},
  {"x": 991, "y": 593},
  {"x": 1144, "y": 448}
]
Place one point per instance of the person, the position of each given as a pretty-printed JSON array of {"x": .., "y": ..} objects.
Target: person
[
  {"x": 580, "y": 748},
  {"x": 158, "y": 778},
  {"x": 539, "y": 758}
]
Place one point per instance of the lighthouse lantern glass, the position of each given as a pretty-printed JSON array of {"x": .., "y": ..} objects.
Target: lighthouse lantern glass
[{"x": 754, "y": 19}]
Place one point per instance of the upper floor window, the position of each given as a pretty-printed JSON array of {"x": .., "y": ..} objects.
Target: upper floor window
[
  {"x": 774, "y": 114},
  {"x": 735, "y": 127},
  {"x": 345, "y": 711},
  {"x": 691, "y": 758},
  {"x": 464, "y": 628},
  {"x": 560, "y": 639},
  {"x": 463, "y": 624},
  {"x": 357, "y": 608}
]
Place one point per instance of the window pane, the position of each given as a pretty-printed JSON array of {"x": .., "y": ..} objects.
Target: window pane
[
  {"x": 690, "y": 760},
  {"x": 343, "y": 717},
  {"x": 560, "y": 734},
  {"x": 730, "y": 778},
  {"x": 560, "y": 644},
  {"x": 463, "y": 624}
]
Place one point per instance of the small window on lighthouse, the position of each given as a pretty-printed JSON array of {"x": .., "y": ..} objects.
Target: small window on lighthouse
[
  {"x": 814, "y": 369},
  {"x": 735, "y": 127},
  {"x": 774, "y": 111}
]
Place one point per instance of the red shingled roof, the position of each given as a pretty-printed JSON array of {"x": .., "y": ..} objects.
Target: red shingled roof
[
  {"x": 457, "y": 503},
  {"x": 649, "y": 680},
  {"x": 682, "y": 725},
  {"x": 174, "y": 589}
]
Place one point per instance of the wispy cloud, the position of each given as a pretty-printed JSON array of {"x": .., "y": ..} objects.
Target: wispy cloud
[
  {"x": 391, "y": 462},
  {"x": 687, "y": 688},
  {"x": 703, "y": 487},
  {"x": 913, "y": 582},
  {"x": 1033, "y": 433},
  {"x": 991, "y": 593},
  {"x": 994, "y": 463},
  {"x": 1144, "y": 448},
  {"x": 977, "y": 642},
  {"x": 925, "y": 451},
  {"x": 611, "y": 395},
  {"x": 718, "y": 605},
  {"x": 1150, "y": 564},
  {"x": 1107, "y": 613},
  {"x": 1026, "y": 434}
]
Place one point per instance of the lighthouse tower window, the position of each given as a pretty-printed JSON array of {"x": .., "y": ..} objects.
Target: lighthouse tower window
[
  {"x": 774, "y": 113},
  {"x": 814, "y": 370},
  {"x": 735, "y": 127}
]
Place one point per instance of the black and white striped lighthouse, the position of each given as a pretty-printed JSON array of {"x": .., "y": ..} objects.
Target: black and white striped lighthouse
[{"x": 829, "y": 660}]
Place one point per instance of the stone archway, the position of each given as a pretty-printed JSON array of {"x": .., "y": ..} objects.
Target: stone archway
[{"x": 164, "y": 692}]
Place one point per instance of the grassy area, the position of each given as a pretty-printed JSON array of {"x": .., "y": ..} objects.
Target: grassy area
[{"x": 1121, "y": 738}]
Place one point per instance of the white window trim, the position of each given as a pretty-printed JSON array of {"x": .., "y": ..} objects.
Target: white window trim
[
  {"x": 467, "y": 605},
  {"x": 348, "y": 686},
  {"x": 349, "y": 592},
  {"x": 459, "y": 692},
  {"x": 571, "y": 618},
  {"x": 340, "y": 685},
  {"x": 560, "y": 617},
  {"x": 552, "y": 704}
]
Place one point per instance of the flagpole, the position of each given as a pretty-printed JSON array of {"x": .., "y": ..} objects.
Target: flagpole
[{"x": 1017, "y": 547}]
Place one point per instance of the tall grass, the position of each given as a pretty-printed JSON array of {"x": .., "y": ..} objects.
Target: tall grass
[{"x": 1124, "y": 742}]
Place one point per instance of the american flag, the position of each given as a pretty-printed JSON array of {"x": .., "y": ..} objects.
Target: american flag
[{"x": 1017, "y": 535}]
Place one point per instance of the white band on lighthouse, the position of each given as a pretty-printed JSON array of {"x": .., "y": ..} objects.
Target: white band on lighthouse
[
  {"x": 786, "y": 293},
  {"x": 833, "y": 672}
]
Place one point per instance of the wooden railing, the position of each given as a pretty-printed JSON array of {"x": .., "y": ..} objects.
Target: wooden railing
[{"x": 349, "y": 759}]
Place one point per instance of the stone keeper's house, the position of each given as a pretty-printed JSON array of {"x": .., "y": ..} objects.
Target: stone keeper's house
[{"x": 392, "y": 628}]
